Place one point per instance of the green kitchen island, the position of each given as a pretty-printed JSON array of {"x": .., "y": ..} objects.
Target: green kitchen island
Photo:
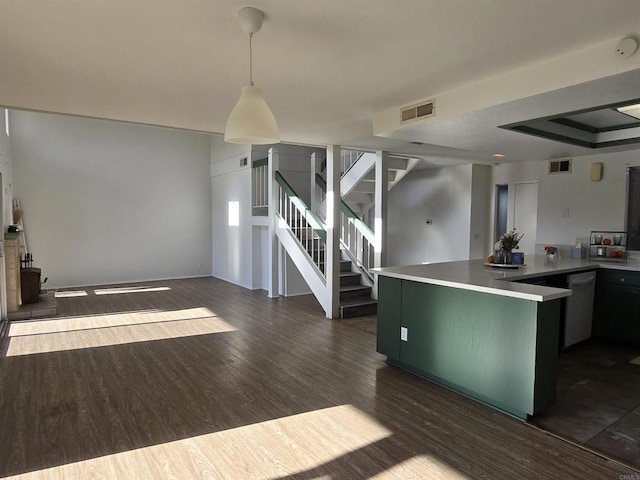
[{"x": 477, "y": 329}]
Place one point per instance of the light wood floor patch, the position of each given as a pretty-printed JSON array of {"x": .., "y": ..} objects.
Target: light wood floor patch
[{"x": 88, "y": 322}]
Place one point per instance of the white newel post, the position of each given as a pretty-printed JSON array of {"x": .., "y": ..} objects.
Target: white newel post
[
  {"x": 316, "y": 198},
  {"x": 274, "y": 165},
  {"x": 380, "y": 213},
  {"x": 332, "y": 254}
]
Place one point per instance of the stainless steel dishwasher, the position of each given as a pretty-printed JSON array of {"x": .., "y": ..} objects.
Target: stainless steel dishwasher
[{"x": 579, "y": 308}]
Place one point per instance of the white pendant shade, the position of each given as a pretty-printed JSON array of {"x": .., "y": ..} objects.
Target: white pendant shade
[{"x": 251, "y": 120}]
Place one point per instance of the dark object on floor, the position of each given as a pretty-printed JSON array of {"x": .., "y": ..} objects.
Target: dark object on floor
[{"x": 30, "y": 285}]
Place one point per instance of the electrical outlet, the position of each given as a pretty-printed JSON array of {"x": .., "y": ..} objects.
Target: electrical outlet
[{"x": 404, "y": 333}]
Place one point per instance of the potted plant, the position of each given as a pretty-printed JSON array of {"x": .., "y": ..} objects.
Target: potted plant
[{"x": 507, "y": 244}]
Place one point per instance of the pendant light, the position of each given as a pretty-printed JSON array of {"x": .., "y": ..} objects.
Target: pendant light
[{"x": 251, "y": 120}]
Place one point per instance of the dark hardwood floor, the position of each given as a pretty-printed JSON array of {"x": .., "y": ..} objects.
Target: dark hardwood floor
[
  {"x": 199, "y": 378},
  {"x": 598, "y": 402}
]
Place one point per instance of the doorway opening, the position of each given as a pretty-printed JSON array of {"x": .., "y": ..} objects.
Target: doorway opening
[{"x": 502, "y": 202}]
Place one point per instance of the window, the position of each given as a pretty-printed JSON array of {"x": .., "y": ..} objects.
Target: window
[
  {"x": 234, "y": 214},
  {"x": 633, "y": 209}
]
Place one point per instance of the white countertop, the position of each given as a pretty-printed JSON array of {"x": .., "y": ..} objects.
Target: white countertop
[{"x": 475, "y": 275}]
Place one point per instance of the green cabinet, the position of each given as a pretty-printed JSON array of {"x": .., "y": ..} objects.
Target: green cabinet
[
  {"x": 389, "y": 317},
  {"x": 617, "y": 306},
  {"x": 497, "y": 349}
]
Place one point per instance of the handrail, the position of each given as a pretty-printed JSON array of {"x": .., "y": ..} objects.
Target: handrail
[
  {"x": 362, "y": 227},
  {"x": 260, "y": 163},
  {"x": 355, "y": 236},
  {"x": 351, "y": 162},
  {"x": 344, "y": 164},
  {"x": 314, "y": 222},
  {"x": 260, "y": 186}
]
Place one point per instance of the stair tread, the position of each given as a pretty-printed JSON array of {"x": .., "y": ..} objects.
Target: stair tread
[
  {"x": 360, "y": 309},
  {"x": 357, "y": 302},
  {"x": 349, "y": 288},
  {"x": 349, "y": 274}
]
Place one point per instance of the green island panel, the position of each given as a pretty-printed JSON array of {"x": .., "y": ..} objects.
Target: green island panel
[
  {"x": 482, "y": 345},
  {"x": 389, "y": 317}
]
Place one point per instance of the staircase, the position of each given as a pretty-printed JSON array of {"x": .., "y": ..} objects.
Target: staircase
[
  {"x": 303, "y": 235},
  {"x": 309, "y": 235},
  {"x": 355, "y": 298},
  {"x": 357, "y": 184}
]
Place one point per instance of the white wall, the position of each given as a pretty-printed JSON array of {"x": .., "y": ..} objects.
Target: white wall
[
  {"x": 480, "y": 202},
  {"x": 239, "y": 251},
  {"x": 107, "y": 202},
  {"x": 233, "y": 246},
  {"x": 442, "y": 195},
  {"x": 571, "y": 205},
  {"x": 6, "y": 191},
  {"x": 6, "y": 169}
]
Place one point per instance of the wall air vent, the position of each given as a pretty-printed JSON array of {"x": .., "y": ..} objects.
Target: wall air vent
[
  {"x": 560, "y": 165},
  {"x": 417, "y": 112}
]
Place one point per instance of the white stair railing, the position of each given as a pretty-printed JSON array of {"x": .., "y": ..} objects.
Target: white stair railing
[
  {"x": 307, "y": 228},
  {"x": 358, "y": 240},
  {"x": 355, "y": 236},
  {"x": 347, "y": 159},
  {"x": 260, "y": 186}
]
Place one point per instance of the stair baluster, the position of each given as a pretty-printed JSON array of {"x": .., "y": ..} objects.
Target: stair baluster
[
  {"x": 306, "y": 226},
  {"x": 355, "y": 236}
]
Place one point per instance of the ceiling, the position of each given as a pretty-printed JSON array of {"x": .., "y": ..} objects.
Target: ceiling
[
  {"x": 328, "y": 68},
  {"x": 595, "y": 128}
]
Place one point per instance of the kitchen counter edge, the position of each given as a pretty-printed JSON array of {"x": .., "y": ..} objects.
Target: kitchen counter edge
[{"x": 476, "y": 276}]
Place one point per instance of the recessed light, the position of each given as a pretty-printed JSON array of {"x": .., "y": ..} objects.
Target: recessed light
[
  {"x": 498, "y": 155},
  {"x": 631, "y": 110}
]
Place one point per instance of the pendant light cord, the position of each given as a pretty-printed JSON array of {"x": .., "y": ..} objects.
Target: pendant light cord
[{"x": 250, "y": 61}]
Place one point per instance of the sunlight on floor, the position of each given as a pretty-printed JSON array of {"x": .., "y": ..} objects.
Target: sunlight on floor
[
  {"x": 110, "y": 291},
  {"x": 117, "y": 290},
  {"x": 422, "y": 467},
  {"x": 58, "y": 334},
  {"x": 268, "y": 450},
  {"x": 88, "y": 322},
  {"x": 71, "y": 294}
]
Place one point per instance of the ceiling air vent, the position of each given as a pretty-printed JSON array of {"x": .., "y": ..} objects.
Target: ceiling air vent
[
  {"x": 560, "y": 165},
  {"x": 416, "y": 112}
]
